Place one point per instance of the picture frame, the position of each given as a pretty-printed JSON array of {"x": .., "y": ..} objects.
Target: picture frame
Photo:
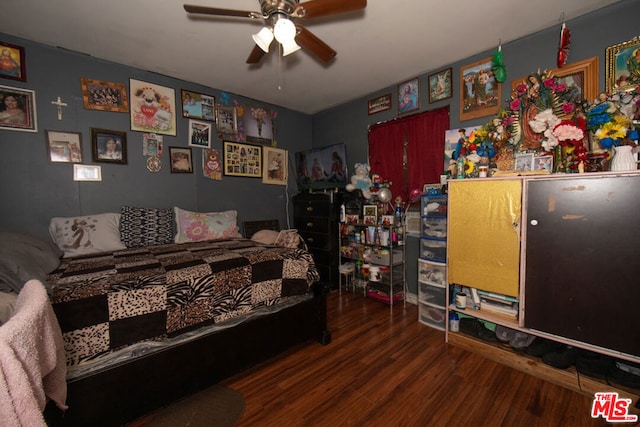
[
  {"x": 274, "y": 166},
  {"x": 109, "y": 146},
  {"x": 199, "y": 134},
  {"x": 226, "y": 119},
  {"x": 352, "y": 218},
  {"x": 258, "y": 124},
  {"x": 13, "y": 59},
  {"x": 153, "y": 108},
  {"x": 480, "y": 92},
  {"x": 64, "y": 146},
  {"x": 524, "y": 162},
  {"x": 409, "y": 96},
  {"x": 242, "y": 159},
  {"x": 211, "y": 167},
  {"x": 581, "y": 77},
  {"x": 623, "y": 65},
  {"x": 388, "y": 220},
  {"x": 104, "y": 96},
  {"x": 181, "y": 160},
  {"x": 370, "y": 214},
  {"x": 543, "y": 163},
  {"x": 440, "y": 85},
  {"x": 87, "y": 172},
  {"x": 379, "y": 104},
  {"x": 196, "y": 105},
  {"x": 433, "y": 188},
  {"x": 18, "y": 109}
]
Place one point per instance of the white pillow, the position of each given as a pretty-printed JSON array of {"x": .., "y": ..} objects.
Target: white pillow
[
  {"x": 267, "y": 237},
  {"x": 89, "y": 234},
  {"x": 197, "y": 226}
]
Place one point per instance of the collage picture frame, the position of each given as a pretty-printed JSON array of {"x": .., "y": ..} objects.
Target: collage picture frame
[
  {"x": 104, "y": 96},
  {"x": 242, "y": 160}
]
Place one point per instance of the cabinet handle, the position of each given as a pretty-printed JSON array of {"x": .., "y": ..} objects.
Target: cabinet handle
[
  {"x": 309, "y": 225},
  {"x": 310, "y": 239},
  {"x": 309, "y": 208}
]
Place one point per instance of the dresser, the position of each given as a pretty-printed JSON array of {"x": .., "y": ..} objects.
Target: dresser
[{"x": 315, "y": 216}]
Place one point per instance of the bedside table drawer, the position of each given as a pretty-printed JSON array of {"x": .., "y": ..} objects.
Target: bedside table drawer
[
  {"x": 312, "y": 208},
  {"x": 314, "y": 225}
]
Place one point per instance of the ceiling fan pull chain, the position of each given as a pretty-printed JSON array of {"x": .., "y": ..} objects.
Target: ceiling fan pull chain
[{"x": 279, "y": 67}]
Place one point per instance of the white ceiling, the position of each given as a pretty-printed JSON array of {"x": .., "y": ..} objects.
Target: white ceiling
[{"x": 387, "y": 43}]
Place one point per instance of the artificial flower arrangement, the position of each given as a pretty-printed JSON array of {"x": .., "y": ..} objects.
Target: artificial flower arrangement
[{"x": 610, "y": 118}]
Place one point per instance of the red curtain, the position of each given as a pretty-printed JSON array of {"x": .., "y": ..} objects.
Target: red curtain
[{"x": 424, "y": 137}]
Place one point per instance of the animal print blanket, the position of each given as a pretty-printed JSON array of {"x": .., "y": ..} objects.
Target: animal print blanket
[{"x": 109, "y": 300}]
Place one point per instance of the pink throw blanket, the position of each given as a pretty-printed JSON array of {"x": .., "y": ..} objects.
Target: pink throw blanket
[{"x": 32, "y": 360}]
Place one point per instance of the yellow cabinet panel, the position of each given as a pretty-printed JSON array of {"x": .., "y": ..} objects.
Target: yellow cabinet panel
[{"x": 484, "y": 234}]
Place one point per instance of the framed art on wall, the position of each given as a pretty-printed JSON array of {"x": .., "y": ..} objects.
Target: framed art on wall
[
  {"x": 197, "y": 105},
  {"x": 199, "y": 134},
  {"x": 227, "y": 119},
  {"x": 242, "y": 160},
  {"x": 12, "y": 63},
  {"x": 381, "y": 103},
  {"x": 63, "y": 146},
  {"x": 153, "y": 108},
  {"x": 258, "y": 126},
  {"x": 18, "y": 109},
  {"x": 87, "y": 173},
  {"x": 104, "y": 96},
  {"x": 409, "y": 96},
  {"x": 623, "y": 65},
  {"x": 181, "y": 160},
  {"x": 479, "y": 90},
  {"x": 274, "y": 166},
  {"x": 440, "y": 86},
  {"x": 109, "y": 146}
]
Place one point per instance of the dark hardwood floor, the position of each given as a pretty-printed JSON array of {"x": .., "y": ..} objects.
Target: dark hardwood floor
[{"x": 384, "y": 368}]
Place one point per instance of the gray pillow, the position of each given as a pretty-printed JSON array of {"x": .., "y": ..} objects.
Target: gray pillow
[{"x": 23, "y": 257}]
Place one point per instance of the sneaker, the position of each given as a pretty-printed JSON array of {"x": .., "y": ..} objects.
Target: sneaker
[
  {"x": 594, "y": 365},
  {"x": 541, "y": 346},
  {"x": 561, "y": 359}
]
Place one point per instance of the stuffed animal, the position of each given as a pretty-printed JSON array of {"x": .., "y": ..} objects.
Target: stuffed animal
[{"x": 360, "y": 180}]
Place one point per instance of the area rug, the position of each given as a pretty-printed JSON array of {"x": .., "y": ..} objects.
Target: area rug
[{"x": 215, "y": 406}]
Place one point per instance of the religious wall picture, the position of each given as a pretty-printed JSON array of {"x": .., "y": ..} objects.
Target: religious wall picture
[
  {"x": 153, "y": 108},
  {"x": 453, "y": 138},
  {"x": 274, "y": 166},
  {"x": 196, "y": 105},
  {"x": 409, "y": 96},
  {"x": 12, "y": 64},
  {"x": 109, "y": 146},
  {"x": 226, "y": 119},
  {"x": 104, "y": 96},
  {"x": 64, "y": 146},
  {"x": 199, "y": 134},
  {"x": 480, "y": 92},
  {"x": 18, "y": 109},
  {"x": 258, "y": 124},
  {"x": 379, "y": 104},
  {"x": 181, "y": 160},
  {"x": 623, "y": 65},
  {"x": 440, "y": 85},
  {"x": 242, "y": 159}
]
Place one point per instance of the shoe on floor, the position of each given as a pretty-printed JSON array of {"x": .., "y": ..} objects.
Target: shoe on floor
[
  {"x": 561, "y": 359},
  {"x": 594, "y": 365},
  {"x": 541, "y": 346}
]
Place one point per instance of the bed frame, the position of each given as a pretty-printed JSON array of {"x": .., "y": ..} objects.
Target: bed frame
[{"x": 120, "y": 394}]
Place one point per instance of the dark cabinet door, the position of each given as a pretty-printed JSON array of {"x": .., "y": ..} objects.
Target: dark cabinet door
[{"x": 583, "y": 260}]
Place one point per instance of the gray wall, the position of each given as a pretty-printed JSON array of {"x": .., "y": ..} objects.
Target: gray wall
[{"x": 33, "y": 190}]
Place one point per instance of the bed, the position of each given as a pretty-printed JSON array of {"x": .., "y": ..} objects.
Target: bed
[{"x": 148, "y": 322}]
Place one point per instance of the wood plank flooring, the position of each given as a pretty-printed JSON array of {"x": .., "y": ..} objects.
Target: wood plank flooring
[{"x": 384, "y": 368}]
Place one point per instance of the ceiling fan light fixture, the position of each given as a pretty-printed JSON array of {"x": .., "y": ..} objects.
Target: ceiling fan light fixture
[
  {"x": 284, "y": 31},
  {"x": 263, "y": 38},
  {"x": 289, "y": 47}
]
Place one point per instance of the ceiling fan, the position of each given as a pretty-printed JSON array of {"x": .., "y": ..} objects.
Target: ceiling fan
[{"x": 278, "y": 16}]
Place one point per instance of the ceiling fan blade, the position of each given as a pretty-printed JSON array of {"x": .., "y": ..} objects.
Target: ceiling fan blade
[
  {"x": 204, "y": 10},
  {"x": 256, "y": 55},
  {"x": 316, "y": 8},
  {"x": 309, "y": 41}
]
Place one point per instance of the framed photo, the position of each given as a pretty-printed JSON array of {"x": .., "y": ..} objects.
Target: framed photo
[
  {"x": 18, "y": 109},
  {"x": 543, "y": 163},
  {"x": 181, "y": 160},
  {"x": 623, "y": 65},
  {"x": 524, "y": 162},
  {"x": 199, "y": 134},
  {"x": 87, "y": 173},
  {"x": 409, "y": 96},
  {"x": 440, "y": 86},
  {"x": 480, "y": 92},
  {"x": 581, "y": 78},
  {"x": 63, "y": 146},
  {"x": 274, "y": 166},
  {"x": 370, "y": 214},
  {"x": 12, "y": 64},
  {"x": 381, "y": 103},
  {"x": 197, "y": 105},
  {"x": 242, "y": 159},
  {"x": 352, "y": 218},
  {"x": 152, "y": 145},
  {"x": 104, "y": 96},
  {"x": 109, "y": 146},
  {"x": 227, "y": 119},
  {"x": 388, "y": 219},
  {"x": 153, "y": 108},
  {"x": 258, "y": 125}
]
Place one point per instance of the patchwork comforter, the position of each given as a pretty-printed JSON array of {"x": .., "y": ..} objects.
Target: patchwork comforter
[{"x": 109, "y": 300}]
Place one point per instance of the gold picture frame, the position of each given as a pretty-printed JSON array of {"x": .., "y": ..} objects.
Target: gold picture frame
[
  {"x": 242, "y": 159},
  {"x": 440, "y": 85},
  {"x": 480, "y": 92},
  {"x": 379, "y": 104},
  {"x": 623, "y": 65},
  {"x": 104, "y": 96}
]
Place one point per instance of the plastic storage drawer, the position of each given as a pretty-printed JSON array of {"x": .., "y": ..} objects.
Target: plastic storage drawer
[
  {"x": 434, "y": 227},
  {"x": 432, "y": 272},
  {"x": 435, "y": 250},
  {"x": 432, "y": 316},
  {"x": 432, "y": 295}
]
